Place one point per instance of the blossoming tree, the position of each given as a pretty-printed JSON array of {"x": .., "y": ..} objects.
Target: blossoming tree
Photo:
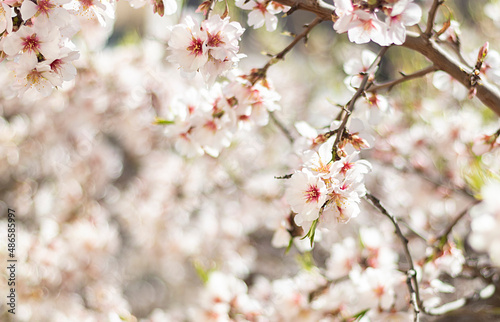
[{"x": 181, "y": 175}]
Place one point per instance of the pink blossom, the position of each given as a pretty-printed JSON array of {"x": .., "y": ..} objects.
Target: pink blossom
[
  {"x": 306, "y": 194},
  {"x": 263, "y": 12},
  {"x": 31, "y": 41},
  {"x": 402, "y": 13}
]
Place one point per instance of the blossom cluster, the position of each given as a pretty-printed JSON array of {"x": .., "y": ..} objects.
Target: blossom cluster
[
  {"x": 211, "y": 48},
  {"x": 362, "y": 23},
  {"x": 205, "y": 121},
  {"x": 38, "y": 48},
  {"x": 262, "y": 12},
  {"x": 327, "y": 189}
]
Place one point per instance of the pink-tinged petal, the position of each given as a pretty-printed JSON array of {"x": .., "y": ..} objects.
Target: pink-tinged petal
[
  {"x": 343, "y": 4},
  {"x": 271, "y": 22},
  {"x": 256, "y": 19},
  {"x": 412, "y": 14},
  {"x": 358, "y": 34},
  {"x": 12, "y": 45},
  {"x": 28, "y": 9},
  {"x": 170, "y": 7},
  {"x": 399, "y": 7},
  {"x": 397, "y": 33}
]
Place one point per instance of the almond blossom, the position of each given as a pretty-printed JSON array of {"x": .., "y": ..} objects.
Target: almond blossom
[
  {"x": 402, "y": 13},
  {"x": 211, "y": 48},
  {"x": 262, "y": 12},
  {"x": 306, "y": 195},
  {"x": 5, "y": 18},
  {"x": 326, "y": 189},
  {"x": 32, "y": 41},
  {"x": 362, "y": 23}
]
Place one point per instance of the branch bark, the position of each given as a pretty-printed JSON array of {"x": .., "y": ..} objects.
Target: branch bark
[{"x": 486, "y": 92}]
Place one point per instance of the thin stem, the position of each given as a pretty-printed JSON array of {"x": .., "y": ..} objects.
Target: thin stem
[
  {"x": 350, "y": 105},
  {"x": 210, "y": 8},
  {"x": 411, "y": 273},
  {"x": 282, "y": 127},
  {"x": 391, "y": 84},
  {"x": 486, "y": 92},
  {"x": 431, "y": 17},
  {"x": 444, "y": 236},
  {"x": 261, "y": 73}
]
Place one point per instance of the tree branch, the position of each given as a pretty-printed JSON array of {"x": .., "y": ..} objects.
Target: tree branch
[
  {"x": 391, "y": 84},
  {"x": 486, "y": 92},
  {"x": 350, "y": 105},
  {"x": 282, "y": 127},
  {"x": 443, "y": 237},
  {"x": 261, "y": 72},
  {"x": 411, "y": 273},
  {"x": 322, "y": 9},
  {"x": 432, "y": 16}
]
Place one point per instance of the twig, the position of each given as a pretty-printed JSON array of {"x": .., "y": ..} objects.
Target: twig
[
  {"x": 282, "y": 127},
  {"x": 391, "y": 84},
  {"x": 443, "y": 237},
  {"x": 431, "y": 17},
  {"x": 359, "y": 92},
  {"x": 411, "y": 273},
  {"x": 261, "y": 73},
  {"x": 322, "y": 9},
  {"x": 210, "y": 8},
  {"x": 486, "y": 92}
]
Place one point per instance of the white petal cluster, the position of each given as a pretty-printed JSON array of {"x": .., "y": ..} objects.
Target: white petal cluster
[
  {"x": 362, "y": 23},
  {"x": 327, "y": 190},
  {"x": 205, "y": 121},
  {"x": 210, "y": 48},
  {"x": 40, "y": 52},
  {"x": 262, "y": 12}
]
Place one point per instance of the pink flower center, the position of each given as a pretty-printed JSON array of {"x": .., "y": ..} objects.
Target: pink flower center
[
  {"x": 379, "y": 291},
  {"x": 368, "y": 25},
  {"x": 86, "y": 4},
  {"x": 312, "y": 194},
  {"x": 346, "y": 167},
  {"x": 45, "y": 6},
  {"x": 31, "y": 44},
  {"x": 215, "y": 40},
  {"x": 56, "y": 65},
  {"x": 261, "y": 7},
  {"x": 34, "y": 77},
  {"x": 196, "y": 47},
  {"x": 210, "y": 125}
]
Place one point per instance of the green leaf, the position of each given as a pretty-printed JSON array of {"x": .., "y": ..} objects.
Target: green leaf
[
  {"x": 306, "y": 261},
  {"x": 360, "y": 315},
  {"x": 160, "y": 121},
  {"x": 203, "y": 273},
  {"x": 312, "y": 231}
]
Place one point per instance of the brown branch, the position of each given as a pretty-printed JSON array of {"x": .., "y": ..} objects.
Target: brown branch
[
  {"x": 282, "y": 127},
  {"x": 391, "y": 84},
  {"x": 432, "y": 16},
  {"x": 411, "y": 273},
  {"x": 443, "y": 237},
  {"x": 261, "y": 73},
  {"x": 322, "y": 9},
  {"x": 350, "y": 105},
  {"x": 486, "y": 92}
]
